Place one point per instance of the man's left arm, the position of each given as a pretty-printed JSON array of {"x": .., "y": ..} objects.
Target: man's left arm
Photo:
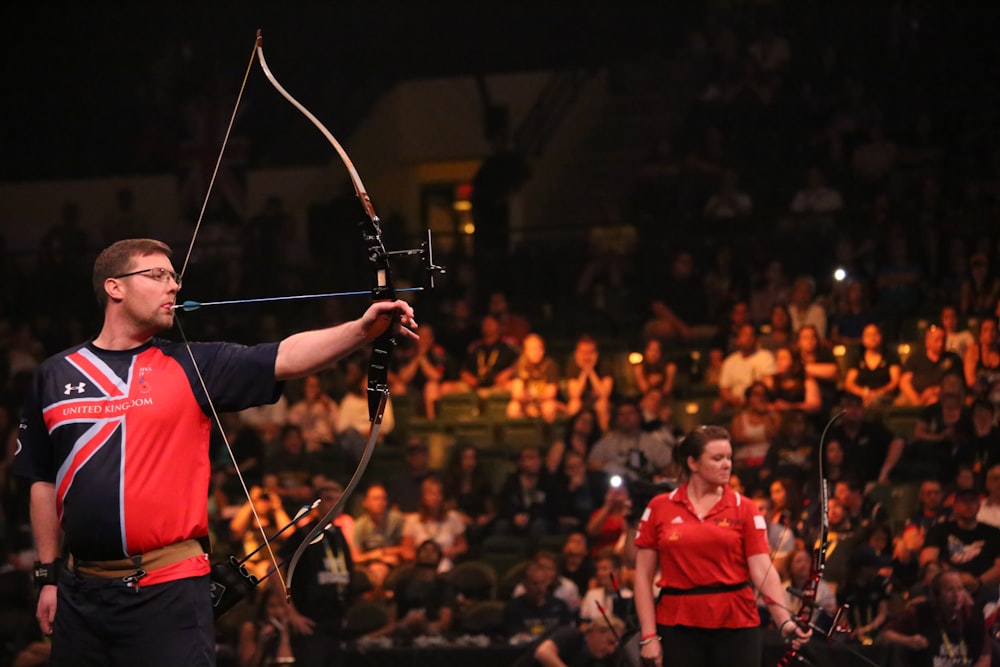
[{"x": 312, "y": 351}]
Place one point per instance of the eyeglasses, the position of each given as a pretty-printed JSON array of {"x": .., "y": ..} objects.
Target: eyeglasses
[{"x": 158, "y": 273}]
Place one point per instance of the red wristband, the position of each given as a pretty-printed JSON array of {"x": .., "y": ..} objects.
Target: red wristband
[{"x": 645, "y": 637}]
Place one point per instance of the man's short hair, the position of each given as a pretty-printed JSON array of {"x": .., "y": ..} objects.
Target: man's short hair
[{"x": 116, "y": 259}]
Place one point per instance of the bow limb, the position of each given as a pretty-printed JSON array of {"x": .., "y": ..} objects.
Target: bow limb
[{"x": 380, "y": 332}]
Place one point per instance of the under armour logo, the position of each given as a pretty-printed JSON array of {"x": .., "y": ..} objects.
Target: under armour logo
[{"x": 78, "y": 388}]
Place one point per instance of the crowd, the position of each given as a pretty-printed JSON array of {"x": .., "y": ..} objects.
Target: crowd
[{"x": 873, "y": 296}]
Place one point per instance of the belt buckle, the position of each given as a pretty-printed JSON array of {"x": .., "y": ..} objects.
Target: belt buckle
[{"x": 132, "y": 580}]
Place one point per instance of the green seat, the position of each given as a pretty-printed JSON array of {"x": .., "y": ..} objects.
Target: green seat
[
  {"x": 479, "y": 432},
  {"x": 518, "y": 433},
  {"x": 462, "y": 405}
]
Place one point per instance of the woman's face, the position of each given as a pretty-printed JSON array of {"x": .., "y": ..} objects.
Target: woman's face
[
  {"x": 584, "y": 423},
  {"x": 653, "y": 351},
  {"x": 988, "y": 331},
  {"x": 779, "y": 318},
  {"x": 807, "y": 339},
  {"x": 715, "y": 464},
  {"x": 534, "y": 349},
  {"x": 871, "y": 337},
  {"x": 834, "y": 453},
  {"x": 778, "y": 495},
  {"x": 431, "y": 495},
  {"x": 468, "y": 459},
  {"x": 782, "y": 361}
]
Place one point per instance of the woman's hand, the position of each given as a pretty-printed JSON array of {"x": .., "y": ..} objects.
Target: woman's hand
[
  {"x": 652, "y": 652},
  {"x": 792, "y": 633}
]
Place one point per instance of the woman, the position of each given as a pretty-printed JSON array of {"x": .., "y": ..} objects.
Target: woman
[
  {"x": 874, "y": 374},
  {"x": 982, "y": 363},
  {"x": 434, "y": 521},
  {"x": 794, "y": 388},
  {"x": 534, "y": 388},
  {"x": 582, "y": 431},
  {"x": 819, "y": 363},
  {"x": 579, "y": 492},
  {"x": 710, "y": 546},
  {"x": 780, "y": 334},
  {"x": 655, "y": 372},
  {"x": 266, "y": 640},
  {"x": 754, "y": 427},
  {"x": 468, "y": 491}
]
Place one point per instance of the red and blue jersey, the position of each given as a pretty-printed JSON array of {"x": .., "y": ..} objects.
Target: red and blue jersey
[{"x": 124, "y": 437}]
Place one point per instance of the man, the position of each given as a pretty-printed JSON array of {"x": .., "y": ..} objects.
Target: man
[
  {"x": 325, "y": 587},
  {"x": 626, "y": 450},
  {"x": 568, "y": 646},
  {"x": 989, "y": 510},
  {"x": 871, "y": 451},
  {"x": 748, "y": 364},
  {"x": 537, "y": 610},
  {"x": 966, "y": 545},
  {"x": 945, "y": 630},
  {"x": 920, "y": 383},
  {"x": 488, "y": 365},
  {"x": 114, "y": 443},
  {"x": 378, "y": 532}
]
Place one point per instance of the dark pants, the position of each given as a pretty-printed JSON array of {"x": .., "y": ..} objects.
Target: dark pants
[
  {"x": 685, "y": 646},
  {"x": 102, "y": 622}
]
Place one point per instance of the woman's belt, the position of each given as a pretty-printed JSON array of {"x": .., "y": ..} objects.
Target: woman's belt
[
  {"x": 134, "y": 568},
  {"x": 704, "y": 590}
]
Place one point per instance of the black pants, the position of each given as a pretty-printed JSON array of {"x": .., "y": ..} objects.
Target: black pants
[
  {"x": 685, "y": 646},
  {"x": 102, "y": 622}
]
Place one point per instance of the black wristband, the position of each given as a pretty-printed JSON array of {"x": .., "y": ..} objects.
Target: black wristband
[{"x": 46, "y": 574}]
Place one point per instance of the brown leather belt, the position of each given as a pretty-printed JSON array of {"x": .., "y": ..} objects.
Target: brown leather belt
[{"x": 138, "y": 565}]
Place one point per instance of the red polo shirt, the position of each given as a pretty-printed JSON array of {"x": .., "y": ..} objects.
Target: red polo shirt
[{"x": 704, "y": 552}]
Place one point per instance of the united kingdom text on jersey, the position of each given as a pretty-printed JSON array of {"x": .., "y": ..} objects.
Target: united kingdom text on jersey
[{"x": 124, "y": 437}]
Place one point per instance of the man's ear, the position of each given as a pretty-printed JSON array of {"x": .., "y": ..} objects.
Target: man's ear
[{"x": 113, "y": 288}]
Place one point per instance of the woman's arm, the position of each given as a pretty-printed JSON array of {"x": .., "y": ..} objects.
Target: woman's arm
[{"x": 646, "y": 564}]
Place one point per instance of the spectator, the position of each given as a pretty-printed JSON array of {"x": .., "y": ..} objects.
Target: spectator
[
  {"x": 982, "y": 363},
  {"x": 819, "y": 363},
  {"x": 851, "y": 316},
  {"x": 468, "y": 491},
  {"x": 353, "y": 422},
  {"x": 989, "y": 508},
  {"x": 954, "y": 340},
  {"x": 292, "y": 467},
  {"x": 803, "y": 309},
  {"x": 654, "y": 371},
  {"x": 800, "y": 568},
  {"x": 594, "y": 646},
  {"x": 405, "y": 490},
  {"x": 817, "y": 196},
  {"x": 606, "y": 525},
  {"x": 420, "y": 369},
  {"x": 536, "y": 611},
  {"x": 378, "y": 532},
  {"x": 680, "y": 304},
  {"x": 946, "y": 628},
  {"x": 792, "y": 388},
  {"x": 871, "y": 451},
  {"x": 742, "y": 368},
  {"x": 725, "y": 339},
  {"x": 266, "y": 640},
  {"x": 608, "y": 591},
  {"x": 435, "y": 523},
  {"x": 577, "y": 565},
  {"x": 514, "y": 327},
  {"x": 729, "y": 201},
  {"x": 589, "y": 383},
  {"x": 627, "y": 451},
  {"x": 792, "y": 453},
  {"x": 423, "y": 601},
  {"x": 534, "y": 386},
  {"x": 942, "y": 438},
  {"x": 243, "y": 529},
  {"x": 865, "y": 593},
  {"x": 754, "y": 428},
  {"x": 965, "y": 545},
  {"x": 525, "y": 500},
  {"x": 315, "y": 415},
  {"x": 774, "y": 289},
  {"x": 920, "y": 382},
  {"x": 873, "y": 371},
  {"x": 985, "y": 445},
  {"x": 562, "y": 587},
  {"x": 489, "y": 363},
  {"x": 780, "y": 332},
  {"x": 898, "y": 283},
  {"x": 581, "y": 432},
  {"x": 981, "y": 288},
  {"x": 577, "y": 493}
]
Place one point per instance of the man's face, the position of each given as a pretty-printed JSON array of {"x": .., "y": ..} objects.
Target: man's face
[
  {"x": 934, "y": 340},
  {"x": 148, "y": 302},
  {"x": 965, "y": 507},
  {"x": 375, "y": 500},
  {"x": 930, "y": 495},
  {"x": 601, "y": 641}
]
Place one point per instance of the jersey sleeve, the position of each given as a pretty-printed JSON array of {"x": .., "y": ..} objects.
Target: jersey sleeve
[
  {"x": 237, "y": 376},
  {"x": 754, "y": 530},
  {"x": 648, "y": 531},
  {"x": 34, "y": 458}
]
